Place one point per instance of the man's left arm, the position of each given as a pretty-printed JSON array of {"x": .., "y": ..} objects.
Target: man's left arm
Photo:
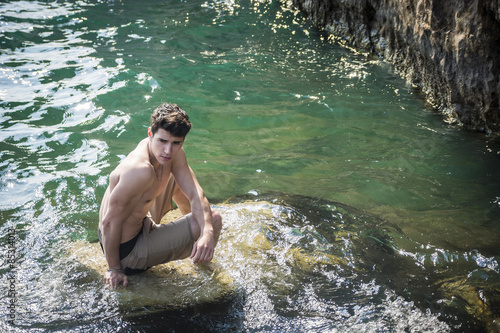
[{"x": 204, "y": 248}]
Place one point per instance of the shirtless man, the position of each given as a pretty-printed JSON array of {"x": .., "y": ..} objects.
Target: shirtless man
[{"x": 140, "y": 193}]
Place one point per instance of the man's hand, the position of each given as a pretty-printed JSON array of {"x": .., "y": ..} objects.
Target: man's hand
[
  {"x": 114, "y": 278},
  {"x": 203, "y": 249}
]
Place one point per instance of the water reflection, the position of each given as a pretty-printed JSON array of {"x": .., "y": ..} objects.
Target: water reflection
[{"x": 56, "y": 80}]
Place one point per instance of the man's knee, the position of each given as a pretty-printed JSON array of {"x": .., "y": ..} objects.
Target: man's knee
[{"x": 216, "y": 224}]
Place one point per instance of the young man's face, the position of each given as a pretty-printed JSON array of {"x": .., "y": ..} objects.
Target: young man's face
[{"x": 163, "y": 145}]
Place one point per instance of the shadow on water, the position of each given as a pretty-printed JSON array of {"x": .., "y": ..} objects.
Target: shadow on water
[
  {"x": 211, "y": 317},
  {"x": 224, "y": 316}
]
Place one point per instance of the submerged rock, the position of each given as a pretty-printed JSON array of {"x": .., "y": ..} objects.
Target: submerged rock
[
  {"x": 472, "y": 297},
  {"x": 295, "y": 238},
  {"x": 449, "y": 49}
]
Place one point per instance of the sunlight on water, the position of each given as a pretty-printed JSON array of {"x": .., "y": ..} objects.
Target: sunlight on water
[{"x": 353, "y": 207}]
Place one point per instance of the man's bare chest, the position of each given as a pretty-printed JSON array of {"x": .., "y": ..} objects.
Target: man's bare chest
[{"x": 157, "y": 187}]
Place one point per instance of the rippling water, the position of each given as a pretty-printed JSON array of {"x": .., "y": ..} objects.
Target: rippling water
[{"x": 372, "y": 214}]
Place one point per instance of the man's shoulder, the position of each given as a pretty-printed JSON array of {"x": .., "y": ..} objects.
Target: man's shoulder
[
  {"x": 131, "y": 179},
  {"x": 135, "y": 165},
  {"x": 136, "y": 160}
]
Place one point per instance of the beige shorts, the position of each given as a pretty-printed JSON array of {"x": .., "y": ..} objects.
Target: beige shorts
[{"x": 160, "y": 243}]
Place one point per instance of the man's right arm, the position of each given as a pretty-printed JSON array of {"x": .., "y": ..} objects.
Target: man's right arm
[
  {"x": 123, "y": 199},
  {"x": 112, "y": 225}
]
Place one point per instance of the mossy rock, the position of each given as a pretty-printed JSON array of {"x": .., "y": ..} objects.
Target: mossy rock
[{"x": 174, "y": 285}]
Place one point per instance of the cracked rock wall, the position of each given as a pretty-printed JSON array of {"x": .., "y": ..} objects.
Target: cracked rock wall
[{"x": 449, "y": 49}]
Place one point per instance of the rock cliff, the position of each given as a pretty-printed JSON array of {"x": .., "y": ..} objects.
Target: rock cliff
[{"x": 449, "y": 49}]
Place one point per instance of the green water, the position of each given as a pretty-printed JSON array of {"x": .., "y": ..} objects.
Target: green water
[{"x": 277, "y": 107}]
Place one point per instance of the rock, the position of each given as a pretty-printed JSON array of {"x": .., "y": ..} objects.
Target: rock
[
  {"x": 460, "y": 290},
  {"x": 174, "y": 285},
  {"x": 449, "y": 49}
]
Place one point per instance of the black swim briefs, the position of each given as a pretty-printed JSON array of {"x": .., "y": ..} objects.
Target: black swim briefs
[{"x": 125, "y": 248}]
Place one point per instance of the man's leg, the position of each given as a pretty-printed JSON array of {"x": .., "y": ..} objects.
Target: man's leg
[
  {"x": 166, "y": 242},
  {"x": 216, "y": 222},
  {"x": 174, "y": 240},
  {"x": 196, "y": 231}
]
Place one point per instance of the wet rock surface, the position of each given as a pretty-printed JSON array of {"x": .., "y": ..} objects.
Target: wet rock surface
[
  {"x": 172, "y": 286},
  {"x": 449, "y": 49}
]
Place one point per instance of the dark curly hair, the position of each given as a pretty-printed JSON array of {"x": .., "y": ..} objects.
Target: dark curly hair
[{"x": 172, "y": 119}]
